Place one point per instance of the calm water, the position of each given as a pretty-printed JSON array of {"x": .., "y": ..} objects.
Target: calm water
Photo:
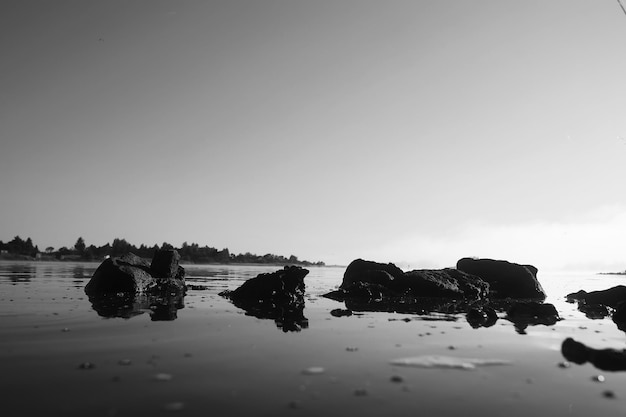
[{"x": 60, "y": 356}]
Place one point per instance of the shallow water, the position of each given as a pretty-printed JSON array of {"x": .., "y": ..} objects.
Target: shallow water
[{"x": 60, "y": 357}]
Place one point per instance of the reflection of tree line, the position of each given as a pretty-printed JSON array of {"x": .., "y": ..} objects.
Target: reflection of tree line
[{"x": 190, "y": 253}]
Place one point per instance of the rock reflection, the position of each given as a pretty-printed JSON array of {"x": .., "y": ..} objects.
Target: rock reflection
[
  {"x": 21, "y": 273},
  {"x": 521, "y": 313},
  {"x": 126, "y": 305},
  {"x": 288, "y": 317}
]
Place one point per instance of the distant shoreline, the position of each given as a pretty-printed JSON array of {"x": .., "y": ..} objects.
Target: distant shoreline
[{"x": 16, "y": 257}]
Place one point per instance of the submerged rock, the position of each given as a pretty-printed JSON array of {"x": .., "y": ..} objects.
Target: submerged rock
[
  {"x": 604, "y": 359},
  {"x": 506, "y": 279},
  {"x": 278, "y": 296}
]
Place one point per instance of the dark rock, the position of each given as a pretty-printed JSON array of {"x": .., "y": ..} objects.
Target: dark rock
[
  {"x": 132, "y": 274},
  {"x": 594, "y": 311},
  {"x": 604, "y": 359},
  {"x": 449, "y": 283},
  {"x": 619, "y": 316},
  {"x": 376, "y": 281},
  {"x": 165, "y": 264},
  {"x": 532, "y": 313},
  {"x": 506, "y": 279},
  {"x": 610, "y": 297},
  {"x": 278, "y": 296},
  {"x": 481, "y": 317},
  {"x": 370, "y": 272},
  {"x": 340, "y": 313}
]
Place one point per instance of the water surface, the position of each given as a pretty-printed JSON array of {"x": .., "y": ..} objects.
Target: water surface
[{"x": 62, "y": 357}]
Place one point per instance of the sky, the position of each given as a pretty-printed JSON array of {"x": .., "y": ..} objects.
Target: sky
[{"x": 415, "y": 132}]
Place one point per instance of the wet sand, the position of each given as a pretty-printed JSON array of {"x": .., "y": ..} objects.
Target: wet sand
[{"x": 60, "y": 358}]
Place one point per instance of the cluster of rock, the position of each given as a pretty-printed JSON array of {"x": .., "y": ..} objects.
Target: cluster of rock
[
  {"x": 129, "y": 285},
  {"x": 472, "y": 279},
  {"x": 477, "y": 287}
]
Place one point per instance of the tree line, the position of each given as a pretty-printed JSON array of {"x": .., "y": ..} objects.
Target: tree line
[{"x": 190, "y": 253}]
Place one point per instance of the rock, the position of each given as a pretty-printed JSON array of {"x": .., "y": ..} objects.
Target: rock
[
  {"x": 132, "y": 274},
  {"x": 370, "y": 272},
  {"x": 506, "y": 279},
  {"x": 337, "y": 312},
  {"x": 610, "y": 297},
  {"x": 619, "y": 316},
  {"x": 532, "y": 313},
  {"x": 448, "y": 283},
  {"x": 604, "y": 359},
  {"x": 377, "y": 281},
  {"x": 278, "y": 296},
  {"x": 284, "y": 285},
  {"x": 165, "y": 264},
  {"x": 481, "y": 317}
]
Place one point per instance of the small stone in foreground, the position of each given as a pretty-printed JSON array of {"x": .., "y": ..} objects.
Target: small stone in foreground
[
  {"x": 174, "y": 406},
  {"x": 86, "y": 365},
  {"x": 608, "y": 394},
  {"x": 313, "y": 370}
]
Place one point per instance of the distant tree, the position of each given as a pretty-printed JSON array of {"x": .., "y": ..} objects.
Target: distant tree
[
  {"x": 80, "y": 245},
  {"x": 49, "y": 249}
]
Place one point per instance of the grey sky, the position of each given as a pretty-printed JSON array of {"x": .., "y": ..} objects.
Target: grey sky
[{"x": 327, "y": 129}]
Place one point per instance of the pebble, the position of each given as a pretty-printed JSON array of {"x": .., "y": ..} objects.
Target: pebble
[
  {"x": 313, "y": 370},
  {"x": 174, "y": 406},
  {"x": 564, "y": 365},
  {"x": 397, "y": 379},
  {"x": 352, "y": 349},
  {"x": 598, "y": 378},
  {"x": 608, "y": 394},
  {"x": 65, "y": 330},
  {"x": 360, "y": 392},
  {"x": 162, "y": 377},
  {"x": 86, "y": 365},
  {"x": 124, "y": 362}
]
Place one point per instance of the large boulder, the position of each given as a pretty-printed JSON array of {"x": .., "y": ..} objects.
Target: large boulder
[
  {"x": 131, "y": 274},
  {"x": 506, "y": 279},
  {"x": 278, "y": 296}
]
